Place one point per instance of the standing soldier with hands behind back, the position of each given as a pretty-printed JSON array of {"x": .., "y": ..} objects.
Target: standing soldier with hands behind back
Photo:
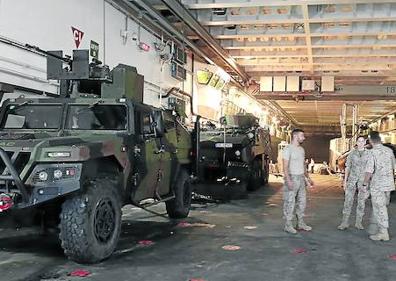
[
  {"x": 295, "y": 175},
  {"x": 354, "y": 176},
  {"x": 380, "y": 169}
]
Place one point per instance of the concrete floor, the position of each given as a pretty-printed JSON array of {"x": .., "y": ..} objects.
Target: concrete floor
[{"x": 195, "y": 252}]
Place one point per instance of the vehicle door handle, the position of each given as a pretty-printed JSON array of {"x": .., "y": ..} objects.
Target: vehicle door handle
[{"x": 161, "y": 150}]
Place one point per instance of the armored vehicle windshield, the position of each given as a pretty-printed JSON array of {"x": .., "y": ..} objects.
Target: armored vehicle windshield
[
  {"x": 48, "y": 115},
  {"x": 98, "y": 117},
  {"x": 32, "y": 116}
]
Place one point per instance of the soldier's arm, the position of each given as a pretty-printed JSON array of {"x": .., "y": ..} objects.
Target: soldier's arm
[
  {"x": 286, "y": 174},
  {"x": 346, "y": 174},
  {"x": 369, "y": 170},
  {"x": 285, "y": 162},
  {"x": 347, "y": 169},
  {"x": 306, "y": 174}
]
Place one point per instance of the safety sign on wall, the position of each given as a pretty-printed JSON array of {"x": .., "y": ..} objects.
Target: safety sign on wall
[
  {"x": 77, "y": 36},
  {"x": 94, "y": 49}
]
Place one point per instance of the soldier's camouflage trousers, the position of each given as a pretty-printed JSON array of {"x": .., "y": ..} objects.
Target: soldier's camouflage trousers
[
  {"x": 350, "y": 192},
  {"x": 380, "y": 202},
  {"x": 295, "y": 198}
]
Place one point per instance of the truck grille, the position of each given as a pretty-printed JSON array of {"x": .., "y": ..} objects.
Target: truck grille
[{"x": 217, "y": 154}]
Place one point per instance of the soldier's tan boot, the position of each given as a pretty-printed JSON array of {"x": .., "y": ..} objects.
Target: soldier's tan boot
[
  {"x": 358, "y": 222},
  {"x": 382, "y": 235},
  {"x": 303, "y": 226},
  {"x": 359, "y": 225},
  {"x": 289, "y": 227},
  {"x": 344, "y": 224}
]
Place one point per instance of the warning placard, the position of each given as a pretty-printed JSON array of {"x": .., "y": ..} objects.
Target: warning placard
[
  {"x": 94, "y": 49},
  {"x": 77, "y": 36}
]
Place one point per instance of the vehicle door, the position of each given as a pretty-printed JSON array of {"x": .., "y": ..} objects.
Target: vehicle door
[{"x": 148, "y": 156}]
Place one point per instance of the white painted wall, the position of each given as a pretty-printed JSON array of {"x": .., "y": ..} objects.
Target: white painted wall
[{"x": 47, "y": 24}]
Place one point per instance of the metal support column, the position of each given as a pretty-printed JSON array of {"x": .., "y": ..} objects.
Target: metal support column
[{"x": 343, "y": 118}]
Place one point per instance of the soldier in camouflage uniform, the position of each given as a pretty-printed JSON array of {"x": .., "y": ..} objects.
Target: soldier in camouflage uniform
[
  {"x": 380, "y": 169},
  {"x": 354, "y": 176},
  {"x": 295, "y": 175}
]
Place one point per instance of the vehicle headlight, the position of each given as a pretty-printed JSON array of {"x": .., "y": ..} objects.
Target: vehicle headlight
[
  {"x": 250, "y": 135},
  {"x": 58, "y": 174},
  {"x": 237, "y": 153},
  {"x": 49, "y": 173},
  {"x": 43, "y": 175}
]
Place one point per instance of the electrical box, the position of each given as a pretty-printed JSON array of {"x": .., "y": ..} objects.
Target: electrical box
[
  {"x": 293, "y": 84},
  {"x": 327, "y": 84},
  {"x": 178, "y": 71},
  {"x": 266, "y": 84},
  {"x": 279, "y": 83},
  {"x": 308, "y": 85}
]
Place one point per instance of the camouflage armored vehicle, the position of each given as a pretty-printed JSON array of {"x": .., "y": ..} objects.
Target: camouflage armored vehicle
[
  {"x": 77, "y": 159},
  {"x": 236, "y": 153}
]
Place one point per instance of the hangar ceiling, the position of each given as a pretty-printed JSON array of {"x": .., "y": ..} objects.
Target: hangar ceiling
[{"x": 354, "y": 41}]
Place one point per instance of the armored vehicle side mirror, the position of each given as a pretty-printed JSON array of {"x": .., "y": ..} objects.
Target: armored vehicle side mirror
[{"x": 158, "y": 123}]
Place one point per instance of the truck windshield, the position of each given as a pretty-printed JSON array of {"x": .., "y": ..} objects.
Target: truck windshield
[
  {"x": 96, "y": 117},
  {"x": 32, "y": 116}
]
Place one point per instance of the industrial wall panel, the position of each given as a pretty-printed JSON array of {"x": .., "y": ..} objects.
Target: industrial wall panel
[
  {"x": 279, "y": 83},
  {"x": 293, "y": 83},
  {"x": 327, "y": 84},
  {"x": 266, "y": 83}
]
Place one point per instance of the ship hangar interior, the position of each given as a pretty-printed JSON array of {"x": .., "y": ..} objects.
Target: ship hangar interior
[{"x": 326, "y": 67}]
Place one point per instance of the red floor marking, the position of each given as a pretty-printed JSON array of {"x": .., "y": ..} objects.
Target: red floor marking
[
  {"x": 145, "y": 242},
  {"x": 299, "y": 251},
  {"x": 231, "y": 248},
  {"x": 80, "y": 273},
  {"x": 393, "y": 257},
  {"x": 183, "y": 224}
]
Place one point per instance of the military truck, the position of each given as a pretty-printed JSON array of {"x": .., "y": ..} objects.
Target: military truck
[
  {"x": 79, "y": 158},
  {"x": 235, "y": 153}
]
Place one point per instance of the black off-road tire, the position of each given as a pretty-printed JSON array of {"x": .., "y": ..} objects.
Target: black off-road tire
[
  {"x": 179, "y": 207},
  {"x": 266, "y": 172},
  {"x": 90, "y": 223},
  {"x": 256, "y": 179}
]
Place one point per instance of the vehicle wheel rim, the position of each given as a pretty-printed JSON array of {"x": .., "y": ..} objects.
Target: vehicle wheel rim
[{"x": 104, "y": 221}]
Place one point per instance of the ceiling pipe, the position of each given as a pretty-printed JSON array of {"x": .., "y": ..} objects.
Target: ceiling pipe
[
  {"x": 383, "y": 116},
  {"x": 180, "y": 11},
  {"x": 284, "y": 113},
  {"x": 160, "y": 23}
]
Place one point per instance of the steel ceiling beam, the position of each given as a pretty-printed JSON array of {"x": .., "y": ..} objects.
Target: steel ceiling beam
[
  {"x": 326, "y": 97},
  {"x": 247, "y": 4},
  {"x": 342, "y": 93},
  {"x": 297, "y": 35},
  {"x": 183, "y": 14},
  {"x": 295, "y": 20}
]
